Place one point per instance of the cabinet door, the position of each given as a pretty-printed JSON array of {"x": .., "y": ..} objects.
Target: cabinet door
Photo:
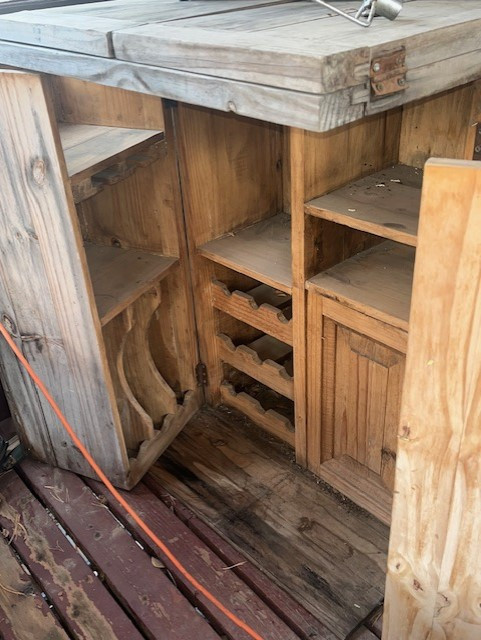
[{"x": 367, "y": 381}]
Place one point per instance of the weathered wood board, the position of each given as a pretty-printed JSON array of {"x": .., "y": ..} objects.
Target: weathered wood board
[{"x": 292, "y": 63}]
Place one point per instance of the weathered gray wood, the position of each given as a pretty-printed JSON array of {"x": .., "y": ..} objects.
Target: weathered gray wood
[
  {"x": 276, "y": 61},
  {"x": 45, "y": 293},
  {"x": 303, "y": 110},
  {"x": 321, "y": 55}
]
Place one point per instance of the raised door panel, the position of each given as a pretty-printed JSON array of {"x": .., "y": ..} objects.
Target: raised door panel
[{"x": 366, "y": 378}]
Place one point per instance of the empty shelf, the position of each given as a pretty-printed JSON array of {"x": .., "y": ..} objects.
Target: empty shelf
[
  {"x": 261, "y": 251},
  {"x": 120, "y": 276},
  {"x": 377, "y": 282},
  {"x": 89, "y": 149},
  {"x": 385, "y": 203}
]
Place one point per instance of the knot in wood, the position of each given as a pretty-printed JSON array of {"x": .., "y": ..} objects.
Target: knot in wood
[{"x": 39, "y": 170}]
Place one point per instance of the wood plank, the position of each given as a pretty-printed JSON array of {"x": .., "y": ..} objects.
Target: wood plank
[
  {"x": 88, "y": 148},
  {"x": 434, "y": 557},
  {"x": 303, "y": 623},
  {"x": 258, "y": 360},
  {"x": 83, "y": 102},
  {"x": 142, "y": 588},
  {"x": 326, "y": 555},
  {"x": 355, "y": 482},
  {"x": 293, "y": 108},
  {"x": 24, "y": 614},
  {"x": 79, "y": 597},
  {"x": 120, "y": 276},
  {"x": 208, "y": 568},
  {"x": 376, "y": 282},
  {"x": 257, "y": 307},
  {"x": 261, "y": 251},
  {"x": 385, "y": 204},
  {"x": 305, "y": 55},
  {"x": 49, "y": 295},
  {"x": 270, "y": 420}
]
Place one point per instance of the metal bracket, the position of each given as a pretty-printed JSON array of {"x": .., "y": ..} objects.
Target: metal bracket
[
  {"x": 477, "y": 143},
  {"x": 201, "y": 374},
  {"x": 388, "y": 73}
]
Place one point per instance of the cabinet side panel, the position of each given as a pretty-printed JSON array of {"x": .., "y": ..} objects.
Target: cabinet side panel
[{"x": 46, "y": 293}]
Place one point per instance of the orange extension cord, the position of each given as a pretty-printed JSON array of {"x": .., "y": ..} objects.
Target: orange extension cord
[{"x": 242, "y": 625}]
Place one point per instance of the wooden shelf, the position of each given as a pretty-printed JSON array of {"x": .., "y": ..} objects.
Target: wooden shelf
[
  {"x": 89, "y": 149},
  {"x": 262, "y": 307},
  {"x": 261, "y": 251},
  {"x": 120, "y": 276},
  {"x": 262, "y": 359},
  {"x": 377, "y": 282},
  {"x": 385, "y": 203},
  {"x": 270, "y": 420}
]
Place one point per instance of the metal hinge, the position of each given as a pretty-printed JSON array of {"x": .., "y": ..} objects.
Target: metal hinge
[
  {"x": 201, "y": 374},
  {"x": 388, "y": 73},
  {"x": 477, "y": 143}
]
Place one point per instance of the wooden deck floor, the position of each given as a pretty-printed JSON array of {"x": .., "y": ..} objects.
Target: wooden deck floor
[{"x": 73, "y": 566}]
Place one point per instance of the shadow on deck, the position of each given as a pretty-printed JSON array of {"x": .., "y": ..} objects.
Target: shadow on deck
[{"x": 72, "y": 565}]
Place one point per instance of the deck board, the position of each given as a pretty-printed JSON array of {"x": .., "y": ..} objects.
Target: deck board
[
  {"x": 80, "y": 550},
  {"x": 328, "y": 554}
]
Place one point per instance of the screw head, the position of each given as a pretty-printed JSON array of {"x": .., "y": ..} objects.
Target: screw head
[
  {"x": 376, "y": 67},
  {"x": 477, "y": 149},
  {"x": 401, "y": 82},
  {"x": 379, "y": 86}
]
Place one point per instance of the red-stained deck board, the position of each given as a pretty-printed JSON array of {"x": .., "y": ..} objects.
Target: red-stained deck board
[
  {"x": 301, "y": 621},
  {"x": 206, "y": 566},
  {"x": 84, "y": 604},
  {"x": 159, "y": 608},
  {"x": 24, "y": 614}
]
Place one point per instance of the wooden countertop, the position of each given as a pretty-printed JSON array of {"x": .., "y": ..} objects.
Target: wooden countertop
[{"x": 293, "y": 63}]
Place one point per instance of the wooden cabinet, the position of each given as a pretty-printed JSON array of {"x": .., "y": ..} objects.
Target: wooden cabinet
[{"x": 95, "y": 282}]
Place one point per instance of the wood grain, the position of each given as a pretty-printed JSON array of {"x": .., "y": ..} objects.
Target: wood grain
[
  {"x": 46, "y": 291},
  {"x": 386, "y": 204},
  {"x": 327, "y": 556},
  {"x": 143, "y": 589},
  {"x": 87, "y": 609},
  {"x": 120, "y": 276},
  {"x": 376, "y": 282},
  {"x": 434, "y": 558}
]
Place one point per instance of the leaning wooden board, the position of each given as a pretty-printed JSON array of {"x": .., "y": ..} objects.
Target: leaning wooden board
[{"x": 293, "y": 63}]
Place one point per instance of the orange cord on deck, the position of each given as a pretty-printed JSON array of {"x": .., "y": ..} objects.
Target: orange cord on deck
[{"x": 242, "y": 625}]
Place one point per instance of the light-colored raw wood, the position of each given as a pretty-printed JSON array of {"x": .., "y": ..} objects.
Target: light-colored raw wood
[
  {"x": 300, "y": 259},
  {"x": 46, "y": 292},
  {"x": 25, "y": 615},
  {"x": 258, "y": 360},
  {"x": 120, "y": 276},
  {"x": 385, "y": 204},
  {"x": 256, "y": 307},
  {"x": 137, "y": 425},
  {"x": 434, "y": 559},
  {"x": 150, "y": 450},
  {"x": 88, "y": 148},
  {"x": 377, "y": 282},
  {"x": 82, "y": 102},
  {"x": 261, "y": 251},
  {"x": 270, "y": 420},
  {"x": 147, "y": 384},
  {"x": 359, "y": 485},
  {"x": 335, "y": 158},
  {"x": 375, "y": 329},
  {"x": 440, "y": 126}
]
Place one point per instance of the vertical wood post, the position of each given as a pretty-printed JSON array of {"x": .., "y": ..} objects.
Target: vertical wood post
[
  {"x": 434, "y": 568},
  {"x": 46, "y": 299}
]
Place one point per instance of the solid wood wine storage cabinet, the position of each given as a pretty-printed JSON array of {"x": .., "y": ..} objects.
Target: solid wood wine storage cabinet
[{"x": 161, "y": 254}]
